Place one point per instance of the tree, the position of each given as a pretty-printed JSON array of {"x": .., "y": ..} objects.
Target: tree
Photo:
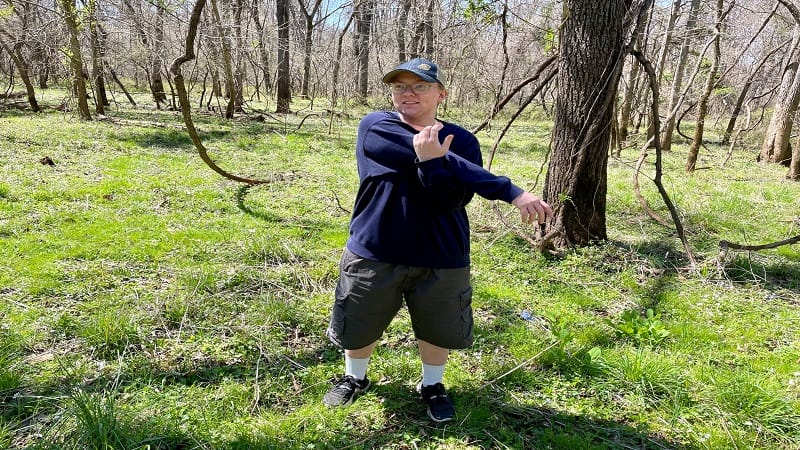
[
  {"x": 776, "y": 145},
  {"x": 363, "y": 14},
  {"x": 227, "y": 61},
  {"x": 150, "y": 31},
  {"x": 284, "y": 75},
  {"x": 75, "y": 59},
  {"x": 97, "y": 45},
  {"x": 677, "y": 82},
  {"x": 702, "y": 107},
  {"x": 308, "y": 41},
  {"x": 262, "y": 40},
  {"x": 13, "y": 49},
  {"x": 590, "y": 60},
  {"x": 402, "y": 26}
]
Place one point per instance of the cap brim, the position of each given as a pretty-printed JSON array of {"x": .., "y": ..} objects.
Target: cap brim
[{"x": 390, "y": 76}]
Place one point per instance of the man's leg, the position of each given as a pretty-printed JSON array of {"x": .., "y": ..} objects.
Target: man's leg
[
  {"x": 434, "y": 359},
  {"x": 357, "y": 360}
]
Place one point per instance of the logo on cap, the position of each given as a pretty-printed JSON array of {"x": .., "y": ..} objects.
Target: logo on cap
[{"x": 424, "y": 67}]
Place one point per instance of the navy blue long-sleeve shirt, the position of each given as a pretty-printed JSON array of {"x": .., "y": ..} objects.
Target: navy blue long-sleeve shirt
[{"x": 411, "y": 212}]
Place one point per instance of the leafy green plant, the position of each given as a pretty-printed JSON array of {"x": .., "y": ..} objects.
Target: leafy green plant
[{"x": 641, "y": 329}]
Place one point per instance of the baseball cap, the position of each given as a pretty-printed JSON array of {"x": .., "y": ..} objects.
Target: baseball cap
[{"x": 421, "y": 67}]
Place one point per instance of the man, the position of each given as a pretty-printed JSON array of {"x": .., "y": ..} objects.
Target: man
[{"x": 409, "y": 235}]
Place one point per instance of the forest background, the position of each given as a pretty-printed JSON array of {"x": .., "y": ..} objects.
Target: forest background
[{"x": 176, "y": 180}]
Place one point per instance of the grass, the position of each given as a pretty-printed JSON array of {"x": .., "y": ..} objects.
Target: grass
[{"x": 148, "y": 303}]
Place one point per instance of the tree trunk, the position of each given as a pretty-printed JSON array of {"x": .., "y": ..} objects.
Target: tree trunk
[
  {"x": 22, "y": 67},
  {"x": 227, "y": 64},
  {"x": 702, "y": 106},
  {"x": 629, "y": 94},
  {"x": 337, "y": 63},
  {"x": 428, "y": 27},
  {"x": 75, "y": 59},
  {"x": 669, "y": 126},
  {"x": 100, "y": 98},
  {"x": 794, "y": 165},
  {"x": 402, "y": 25},
  {"x": 284, "y": 75},
  {"x": 239, "y": 67},
  {"x": 121, "y": 86},
  {"x": 308, "y": 44},
  {"x": 775, "y": 147},
  {"x": 262, "y": 49},
  {"x": 576, "y": 182},
  {"x": 363, "y": 17},
  {"x": 156, "y": 60}
]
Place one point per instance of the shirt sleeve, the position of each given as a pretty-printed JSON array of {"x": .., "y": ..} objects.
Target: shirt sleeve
[{"x": 453, "y": 169}]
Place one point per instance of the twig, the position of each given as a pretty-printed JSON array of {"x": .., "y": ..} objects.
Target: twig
[
  {"x": 724, "y": 245},
  {"x": 522, "y": 364}
]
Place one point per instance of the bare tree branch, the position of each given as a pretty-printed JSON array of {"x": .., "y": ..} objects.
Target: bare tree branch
[
  {"x": 183, "y": 98},
  {"x": 651, "y": 75}
]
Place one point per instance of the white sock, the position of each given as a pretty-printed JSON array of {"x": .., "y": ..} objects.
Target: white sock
[
  {"x": 432, "y": 374},
  {"x": 356, "y": 367}
]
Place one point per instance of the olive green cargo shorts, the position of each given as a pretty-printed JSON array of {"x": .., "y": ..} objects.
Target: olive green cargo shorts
[{"x": 370, "y": 293}]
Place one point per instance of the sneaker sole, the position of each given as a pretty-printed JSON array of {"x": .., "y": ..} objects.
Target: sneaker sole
[
  {"x": 446, "y": 419},
  {"x": 356, "y": 394}
]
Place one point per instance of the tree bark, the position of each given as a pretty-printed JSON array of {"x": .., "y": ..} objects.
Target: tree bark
[
  {"x": 775, "y": 147},
  {"x": 629, "y": 93},
  {"x": 363, "y": 18},
  {"x": 262, "y": 49},
  {"x": 75, "y": 59},
  {"x": 402, "y": 26},
  {"x": 590, "y": 60},
  {"x": 284, "y": 75},
  {"x": 337, "y": 63},
  {"x": 156, "y": 59},
  {"x": 100, "y": 98},
  {"x": 428, "y": 27}
]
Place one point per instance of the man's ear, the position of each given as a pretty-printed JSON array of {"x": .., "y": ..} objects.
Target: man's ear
[{"x": 442, "y": 95}]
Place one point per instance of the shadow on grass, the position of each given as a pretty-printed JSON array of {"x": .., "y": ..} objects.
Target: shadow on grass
[
  {"x": 770, "y": 273},
  {"x": 241, "y": 196},
  {"x": 486, "y": 420},
  {"x": 167, "y": 138},
  {"x": 241, "y": 203}
]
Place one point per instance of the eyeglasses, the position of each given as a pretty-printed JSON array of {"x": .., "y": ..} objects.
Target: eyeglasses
[{"x": 417, "y": 88}]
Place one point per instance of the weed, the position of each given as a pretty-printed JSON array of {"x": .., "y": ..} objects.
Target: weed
[{"x": 640, "y": 329}]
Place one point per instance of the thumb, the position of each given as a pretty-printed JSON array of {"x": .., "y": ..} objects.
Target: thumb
[{"x": 447, "y": 141}]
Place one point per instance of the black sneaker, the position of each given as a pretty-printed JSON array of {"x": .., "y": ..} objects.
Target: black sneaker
[
  {"x": 440, "y": 408},
  {"x": 345, "y": 391}
]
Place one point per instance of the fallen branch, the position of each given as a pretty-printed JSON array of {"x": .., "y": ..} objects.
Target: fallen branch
[{"x": 725, "y": 245}]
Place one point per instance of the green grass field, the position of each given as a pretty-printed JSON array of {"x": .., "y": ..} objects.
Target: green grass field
[{"x": 147, "y": 303}]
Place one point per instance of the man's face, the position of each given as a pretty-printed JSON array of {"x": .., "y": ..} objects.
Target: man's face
[{"x": 416, "y": 105}]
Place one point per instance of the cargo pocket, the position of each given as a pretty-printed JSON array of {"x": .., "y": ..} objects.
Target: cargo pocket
[{"x": 465, "y": 301}]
